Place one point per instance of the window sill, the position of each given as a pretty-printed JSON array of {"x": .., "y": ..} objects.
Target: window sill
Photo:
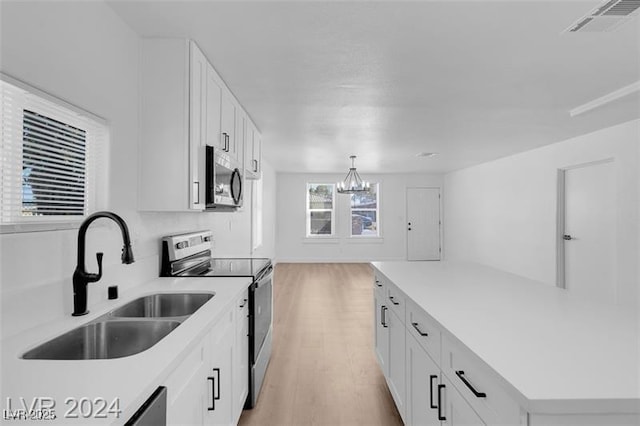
[
  {"x": 18, "y": 228},
  {"x": 320, "y": 240}
]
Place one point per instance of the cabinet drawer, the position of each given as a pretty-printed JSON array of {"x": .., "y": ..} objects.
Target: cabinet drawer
[
  {"x": 478, "y": 384},
  {"x": 395, "y": 299},
  {"x": 378, "y": 284},
  {"x": 424, "y": 329}
]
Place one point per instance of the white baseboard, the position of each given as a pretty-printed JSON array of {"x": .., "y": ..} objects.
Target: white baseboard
[{"x": 334, "y": 260}]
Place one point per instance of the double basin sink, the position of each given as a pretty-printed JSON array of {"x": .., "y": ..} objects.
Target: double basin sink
[{"x": 124, "y": 331}]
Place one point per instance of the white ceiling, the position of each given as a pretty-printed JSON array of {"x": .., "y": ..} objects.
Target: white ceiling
[{"x": 471, "y": 80}]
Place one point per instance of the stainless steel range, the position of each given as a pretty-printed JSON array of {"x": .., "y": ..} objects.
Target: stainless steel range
[{"x": 189, "y": 255}]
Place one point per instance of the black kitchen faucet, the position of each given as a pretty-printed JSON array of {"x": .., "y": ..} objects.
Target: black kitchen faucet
[{"x": 80, "y": 276}]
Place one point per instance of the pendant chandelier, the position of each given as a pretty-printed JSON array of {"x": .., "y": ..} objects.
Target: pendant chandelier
[{"x": 353, "y": 183}]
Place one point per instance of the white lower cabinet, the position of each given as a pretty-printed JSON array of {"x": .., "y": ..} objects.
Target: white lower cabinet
[
  {"x": 423, "y": 378},
  {"x": 389, "y": 336},
  {"x": 397, "y": 374},
  {"x": 220, "y": 375},
  {"x": 431, "y": 398},
  {"x": 186, "y": 387},
  {"x": 210, "y": 386},
  {"x": 241, "y": 360},
  {"x": 381, "y": 331}
]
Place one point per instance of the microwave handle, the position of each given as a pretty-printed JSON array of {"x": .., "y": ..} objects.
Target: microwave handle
[{"x": 236, "y": 175}]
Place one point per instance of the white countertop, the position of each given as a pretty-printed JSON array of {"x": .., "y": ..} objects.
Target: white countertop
[
  {"x": 559, "y": 353},
  {"x": 130, "y": 379}
]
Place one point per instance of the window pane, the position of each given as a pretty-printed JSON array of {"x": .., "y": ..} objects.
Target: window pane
[
  {"x": 320, "y": 223},
  {"x": 320, "y": 196},
  {"x": 364, "y": 222},
  {"x": 53, "y": 167},
  {"x": 365, "y": 200}
]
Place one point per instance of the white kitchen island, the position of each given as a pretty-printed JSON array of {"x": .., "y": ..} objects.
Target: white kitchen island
[{"x": 530, "y": 353}]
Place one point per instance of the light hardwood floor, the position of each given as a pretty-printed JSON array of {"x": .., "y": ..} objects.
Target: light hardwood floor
[{"x": 323, "y": 369}]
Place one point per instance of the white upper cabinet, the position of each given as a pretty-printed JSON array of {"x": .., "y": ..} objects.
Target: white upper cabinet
[
  {"x": 171, "y": 109},
  {"x": 184, "y": 107},
  {"x": 228, "y": 126},
  {"x": 241, "y": 132},
  {"x": 199, "y": 110},
  {"x": 214, "y": 96},
  {"x": 253, "y": 152}
]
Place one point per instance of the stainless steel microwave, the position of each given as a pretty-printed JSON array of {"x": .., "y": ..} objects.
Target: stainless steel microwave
[{"x": 223, "y": 180}]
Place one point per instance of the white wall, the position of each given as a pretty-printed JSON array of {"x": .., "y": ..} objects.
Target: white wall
[
  {"x": 292, "y": 246},
  {"x": 268, "y": 247},
  {"x": 38, "y": 39},
  {"x": 503, "y": 213}
]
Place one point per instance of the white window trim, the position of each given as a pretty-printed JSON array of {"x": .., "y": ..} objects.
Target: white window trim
[
  {"x": 308, "y": 211},
  {"x": 378, "y": 222},
  {"x": 96, "y": 192}
]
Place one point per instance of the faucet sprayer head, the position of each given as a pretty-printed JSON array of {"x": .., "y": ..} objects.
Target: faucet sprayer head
[{"x": 127, "y": 254}]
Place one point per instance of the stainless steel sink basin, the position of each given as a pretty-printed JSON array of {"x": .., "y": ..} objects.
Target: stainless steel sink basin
[
  {"x": 163, "y": 305},
  {"x": 104, "y": 340}
]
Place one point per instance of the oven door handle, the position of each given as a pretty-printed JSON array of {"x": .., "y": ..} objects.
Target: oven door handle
[{"x": 252, "y": 325}]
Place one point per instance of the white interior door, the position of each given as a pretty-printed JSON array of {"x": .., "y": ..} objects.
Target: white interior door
[
  {"x": 423, "y": 224},
  {"x": 589, "y": 231}
]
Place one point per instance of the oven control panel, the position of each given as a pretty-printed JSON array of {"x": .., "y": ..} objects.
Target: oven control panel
[{"x": 185, "y": 245}]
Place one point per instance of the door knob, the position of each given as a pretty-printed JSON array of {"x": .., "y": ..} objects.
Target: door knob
[{"x": 567, "y": 237}]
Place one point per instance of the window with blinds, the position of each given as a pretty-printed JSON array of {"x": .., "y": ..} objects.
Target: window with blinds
[{"x": 48, "y": 155}]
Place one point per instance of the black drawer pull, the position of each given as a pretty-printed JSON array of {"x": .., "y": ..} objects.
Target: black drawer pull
[
  {"x": 420, "y": 332},
  {"x": 431, "y": 379},
  {"x": 378, "y": 283},
  {"x": 460, "y": 374},
  {"x": 244, "y": 303},
  {"x": 393, "y": 300},
  {"x": 440, "y": 416}
]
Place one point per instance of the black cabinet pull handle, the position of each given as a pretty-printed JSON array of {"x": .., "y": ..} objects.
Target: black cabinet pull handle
[
  {"x": 383, "y": 316},
  {"x": 244, "y": 303},
  {"x": 431, "y": 379},
  {"x": 225, "y": 140},
  {"x": 460, "y": 375},
  {"x": 440, "y": 416},
  {"x": 217, "y": 396},
  {"x": 393, "y": 300},
  {"x": 213, "y": 394},
  {"x": 422, "y": 333},
  {"x": 378, "y": 283},
  {"x": 197, "y": 184},
  {"x": 255, "y": 166}
]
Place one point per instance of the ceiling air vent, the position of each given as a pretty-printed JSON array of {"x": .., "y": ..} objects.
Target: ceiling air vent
[{"x": 607, "y": 17}]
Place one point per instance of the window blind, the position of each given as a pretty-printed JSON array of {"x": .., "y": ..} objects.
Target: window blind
[{"x": 48, "y": 156}]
